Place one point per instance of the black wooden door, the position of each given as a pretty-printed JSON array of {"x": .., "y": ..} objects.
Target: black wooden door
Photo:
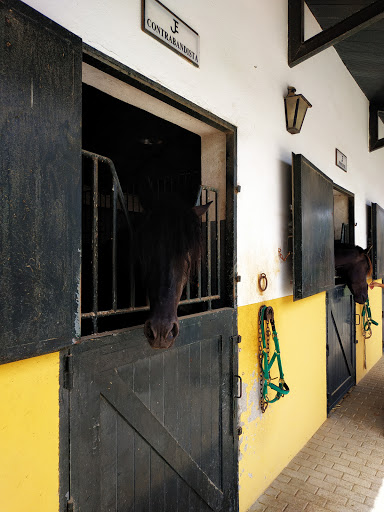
[
  {"x": 153, "y": 430},
  {"x": 341, "y": 350},
  {"x": 313, "y": 245},
  {"x": 40, "y": 189}
]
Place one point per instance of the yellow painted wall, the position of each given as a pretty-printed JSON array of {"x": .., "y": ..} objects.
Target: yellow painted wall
[
  {"x": 373, "y": 345},
  {"x": 29, "y": 435},
  {"x": 271, "y": 440}
]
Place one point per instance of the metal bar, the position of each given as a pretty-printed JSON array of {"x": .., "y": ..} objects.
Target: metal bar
[
  {"x": 218, "y": 242},
  {"x": 132, "y": 259},
  {"x": 95, "y": 240},
  {"x": 199, "y": 264},
  {"x": 112, "y": 312},
  {"x": 109, "y": 162},
  {"x": 209, "y": 251},
  {"x": 114, "y": 245},
  {"x": 329, "y": 37},
  {"x": 112, "y": 203}
]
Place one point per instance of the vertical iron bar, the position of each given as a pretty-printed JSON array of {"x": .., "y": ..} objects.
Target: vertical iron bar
[
  {"x": 132, "y": 272},
  {"x": 200, "y": 262},
  {"x": 218, "y": 242},
  {"x": 114, "y": 246},
  {"x": 209, "y": 262},
  {"x": 95, "y": 242}
]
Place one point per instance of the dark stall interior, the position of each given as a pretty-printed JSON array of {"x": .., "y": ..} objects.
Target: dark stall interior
[{"x": 153, "y": 158}]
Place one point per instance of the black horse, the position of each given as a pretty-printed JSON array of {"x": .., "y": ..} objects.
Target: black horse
[
  {"x": 353, "y": 266},
  {"x": 170, "y": 247}
]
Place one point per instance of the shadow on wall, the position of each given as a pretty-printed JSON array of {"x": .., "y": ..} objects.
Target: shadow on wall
[{"x": 286, "y": 228}]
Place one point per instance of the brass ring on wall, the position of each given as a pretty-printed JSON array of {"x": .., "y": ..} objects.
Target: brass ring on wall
[{"x": 263, "y": 282}]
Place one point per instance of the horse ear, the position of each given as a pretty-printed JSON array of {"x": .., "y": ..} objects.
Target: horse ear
[{"x": 201, "y": 209}]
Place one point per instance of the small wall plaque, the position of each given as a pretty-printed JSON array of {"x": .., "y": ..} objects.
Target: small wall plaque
[
  {"x": 163, "y": 25},
  {"x": 341, "y": 160}
]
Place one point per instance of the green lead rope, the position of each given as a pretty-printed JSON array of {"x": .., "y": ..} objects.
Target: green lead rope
[
  {"x": 282, "y": 389},
  {"x": 367, "y": 320}
]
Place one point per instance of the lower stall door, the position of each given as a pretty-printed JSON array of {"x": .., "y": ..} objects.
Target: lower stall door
[
  {"x": 341, "y": 349},
  {"x": 153, "y": 430}
]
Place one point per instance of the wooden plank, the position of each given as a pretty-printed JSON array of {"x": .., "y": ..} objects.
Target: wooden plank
[
  {"x": 141, "y": 385},
  {"x": 195, "y": 401},
  {"x": 156, "y": 384},
  {"x": 124, "y": 400},
  {"x": 206, "y": 407},
  {"x": 142, "y": 474},
  {"x": 170, "y": 490},
  {"x": 85, "y": 475},
  {"x": 108, "y": 456},
  {"x": 171, "y": 417},
  {"x": 186, "y": 423},
  {"x": 157, "y": 494},
  {"x": 300, "y": 50},
  {"x": 125, "y": 466},
  {"x": 216, "y": 420}
]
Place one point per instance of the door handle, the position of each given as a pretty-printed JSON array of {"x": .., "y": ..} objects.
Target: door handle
[{"x": 240, "y": 381}]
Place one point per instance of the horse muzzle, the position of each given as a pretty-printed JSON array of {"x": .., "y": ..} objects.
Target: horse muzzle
[{"x": 161, "y": 335}]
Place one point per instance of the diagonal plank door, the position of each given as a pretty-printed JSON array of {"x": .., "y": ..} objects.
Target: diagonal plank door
[
  {"x": 341, "y": 365},
  {"x": 153, "y": 430}
]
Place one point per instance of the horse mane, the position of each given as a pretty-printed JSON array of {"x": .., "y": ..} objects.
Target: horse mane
[
  {"x": 370, "y": 268},
  {"x": 171, "y": 232}
]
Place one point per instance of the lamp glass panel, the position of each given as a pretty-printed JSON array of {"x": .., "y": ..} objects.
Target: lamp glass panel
[
  {"x": 302, "y": 109},
  {"x": 380, "y": 127},
  {"x": 290, "y": 103}
]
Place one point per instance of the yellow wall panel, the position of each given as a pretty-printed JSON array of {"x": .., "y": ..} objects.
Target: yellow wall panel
[
  {"x": 370, "y": 350},
  {"x": 270, "y": 440},
  {"x": 29, "y": 435}
]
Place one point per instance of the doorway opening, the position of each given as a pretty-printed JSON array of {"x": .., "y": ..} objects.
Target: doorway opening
[
  {"x": 136, "y": 148},
  {"x": 343, "y": 216},
  {"x": 341, "y": 335}
]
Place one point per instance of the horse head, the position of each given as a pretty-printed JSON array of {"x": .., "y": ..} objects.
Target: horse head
[
  {"x": 353, "y": 266},
  {"x": 170, "y": 247}
]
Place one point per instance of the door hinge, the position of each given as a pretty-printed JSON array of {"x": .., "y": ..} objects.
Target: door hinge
[
  {"x": 70, "y": 505},
  {"x": 68, "y": 374},
  {"x": 236, "y": 339}
]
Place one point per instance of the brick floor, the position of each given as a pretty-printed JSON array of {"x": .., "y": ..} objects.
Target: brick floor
[{"x": 341, "y": 469}]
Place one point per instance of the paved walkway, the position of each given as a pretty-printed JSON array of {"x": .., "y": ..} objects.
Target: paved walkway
[{"x": 341, "y": 469}]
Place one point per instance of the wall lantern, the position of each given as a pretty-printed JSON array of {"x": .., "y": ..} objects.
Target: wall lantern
[{"x": 295, "y": 109}]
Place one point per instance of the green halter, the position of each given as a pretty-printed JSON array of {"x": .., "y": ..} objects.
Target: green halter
[
  {"x": 367, "y": 320},
  {"x": 266, "y": 314}
]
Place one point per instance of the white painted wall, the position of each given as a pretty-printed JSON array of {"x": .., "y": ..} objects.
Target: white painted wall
[{"x": 243, "y": 77}]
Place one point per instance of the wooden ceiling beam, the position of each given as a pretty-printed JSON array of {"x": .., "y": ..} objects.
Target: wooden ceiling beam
[{"x": 300, "y": 50}]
